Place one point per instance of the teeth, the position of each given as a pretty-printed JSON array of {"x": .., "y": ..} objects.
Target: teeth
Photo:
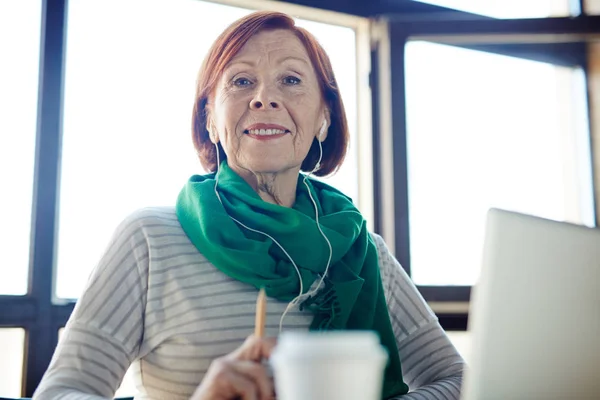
[{"x": 266, "y": 132}]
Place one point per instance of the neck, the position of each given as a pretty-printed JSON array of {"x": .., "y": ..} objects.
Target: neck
[{"x": 273, "y": 187}]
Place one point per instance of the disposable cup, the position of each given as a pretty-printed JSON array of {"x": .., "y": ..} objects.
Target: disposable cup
[{"x": 335, "y": 365}]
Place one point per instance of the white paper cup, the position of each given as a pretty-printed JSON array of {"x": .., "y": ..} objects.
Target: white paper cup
[{"x": 337, "y": 365}]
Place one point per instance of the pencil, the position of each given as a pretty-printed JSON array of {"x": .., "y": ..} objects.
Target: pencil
[{"x": 261, "y": 310}]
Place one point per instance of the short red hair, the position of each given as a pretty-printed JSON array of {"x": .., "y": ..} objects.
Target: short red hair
[{"x": 227, "y": 45}]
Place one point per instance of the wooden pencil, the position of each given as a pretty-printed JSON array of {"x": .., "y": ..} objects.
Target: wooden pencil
[{"x": 261, "y": 313}]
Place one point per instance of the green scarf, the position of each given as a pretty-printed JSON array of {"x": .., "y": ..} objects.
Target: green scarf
[{"x": 352, "y": 297}]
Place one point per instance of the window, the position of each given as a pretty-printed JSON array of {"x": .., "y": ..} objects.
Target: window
[
  {"x": 109, "y": 78},
  {"x": 592, "y": 7},
  {"x": 20, "y": 44},
  {"x": 12, "y": 344},
  {"x": 486, "y": 130},
  {"x": 128, "y": 100},
  {"x": 510, "y": 8}
]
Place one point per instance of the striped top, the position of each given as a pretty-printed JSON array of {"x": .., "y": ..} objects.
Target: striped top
[{"x": 155, "y": 303}]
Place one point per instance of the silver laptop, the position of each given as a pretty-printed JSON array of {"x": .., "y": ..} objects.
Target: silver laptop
[{"x": 535, "y": 312}]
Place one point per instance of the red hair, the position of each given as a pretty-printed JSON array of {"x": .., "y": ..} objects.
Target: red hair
[{"x": 225, "y": 48}]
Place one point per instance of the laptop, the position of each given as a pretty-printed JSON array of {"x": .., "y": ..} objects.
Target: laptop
[{"x": 535, "y": 312}]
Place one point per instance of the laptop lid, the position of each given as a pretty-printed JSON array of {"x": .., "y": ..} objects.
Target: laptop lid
[{"x": 535, "y": 312}]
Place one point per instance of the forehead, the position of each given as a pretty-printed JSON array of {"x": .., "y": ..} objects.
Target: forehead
[{"x": 273, "y": 43}]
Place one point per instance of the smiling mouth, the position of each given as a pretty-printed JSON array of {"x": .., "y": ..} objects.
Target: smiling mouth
[{"x": 266, "y": 132}]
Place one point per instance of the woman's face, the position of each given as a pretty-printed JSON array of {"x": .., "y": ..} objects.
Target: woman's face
[{"x": 268, "y": 107}]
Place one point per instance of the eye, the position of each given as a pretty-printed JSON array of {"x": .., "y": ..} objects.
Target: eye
[
  {"x": 242, "y": 82},
  {"x": 291, "y": 80}
]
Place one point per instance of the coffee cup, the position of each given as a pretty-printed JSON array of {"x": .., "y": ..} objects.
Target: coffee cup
[{"x": 332, "y": 365}]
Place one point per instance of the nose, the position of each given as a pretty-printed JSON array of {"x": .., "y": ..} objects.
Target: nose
[{"x": 264, "y": 99}]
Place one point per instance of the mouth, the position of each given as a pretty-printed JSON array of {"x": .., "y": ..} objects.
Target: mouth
[{"x": 266, "y": 130}]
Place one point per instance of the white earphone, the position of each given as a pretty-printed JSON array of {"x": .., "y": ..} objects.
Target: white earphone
[
  {"x": 323, "y": 129},
  {"x": 320, "y": 140},
  {"x": 301, "y": 294}
]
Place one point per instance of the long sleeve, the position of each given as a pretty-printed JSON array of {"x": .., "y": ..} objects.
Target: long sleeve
[
  {"x": 431, "y": 366},
  {"x": 104, "y": 332}
]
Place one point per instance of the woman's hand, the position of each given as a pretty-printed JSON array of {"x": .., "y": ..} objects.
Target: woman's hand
[{"x": 240, "y": 374}]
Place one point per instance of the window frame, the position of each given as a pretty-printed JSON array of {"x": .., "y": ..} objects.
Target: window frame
[
  {"x": 560, "y": 41},
  {"x": 41, "y": 315}
]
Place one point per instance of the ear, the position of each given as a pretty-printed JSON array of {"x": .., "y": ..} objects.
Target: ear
[
  {"x": 210, "y": 124},
  {"x": 212, "y": 131}
]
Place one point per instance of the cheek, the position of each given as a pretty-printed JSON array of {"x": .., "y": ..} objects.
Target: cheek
[
  {"x": 305, "y": 113},
  {"x": 230, "y": 106},
  {"x": 305, "y": 103},
  {"x": 229, "y": 114}
]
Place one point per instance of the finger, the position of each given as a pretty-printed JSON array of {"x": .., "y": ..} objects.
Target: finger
[
  {"x": 255, "y": 349},
  {"x": 258, "y": 374},
  {"x": 240, "y": 385}
]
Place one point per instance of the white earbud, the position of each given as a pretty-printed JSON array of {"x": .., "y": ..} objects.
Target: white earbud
[
  {"x": 320, "y": 140},
  {"x": 323, "y": 129}
]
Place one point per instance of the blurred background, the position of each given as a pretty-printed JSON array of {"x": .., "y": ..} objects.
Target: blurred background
[{"x": 454, "y": 106}]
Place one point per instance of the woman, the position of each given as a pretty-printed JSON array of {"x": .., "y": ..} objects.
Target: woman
[{"x": 174, "y": 293}]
